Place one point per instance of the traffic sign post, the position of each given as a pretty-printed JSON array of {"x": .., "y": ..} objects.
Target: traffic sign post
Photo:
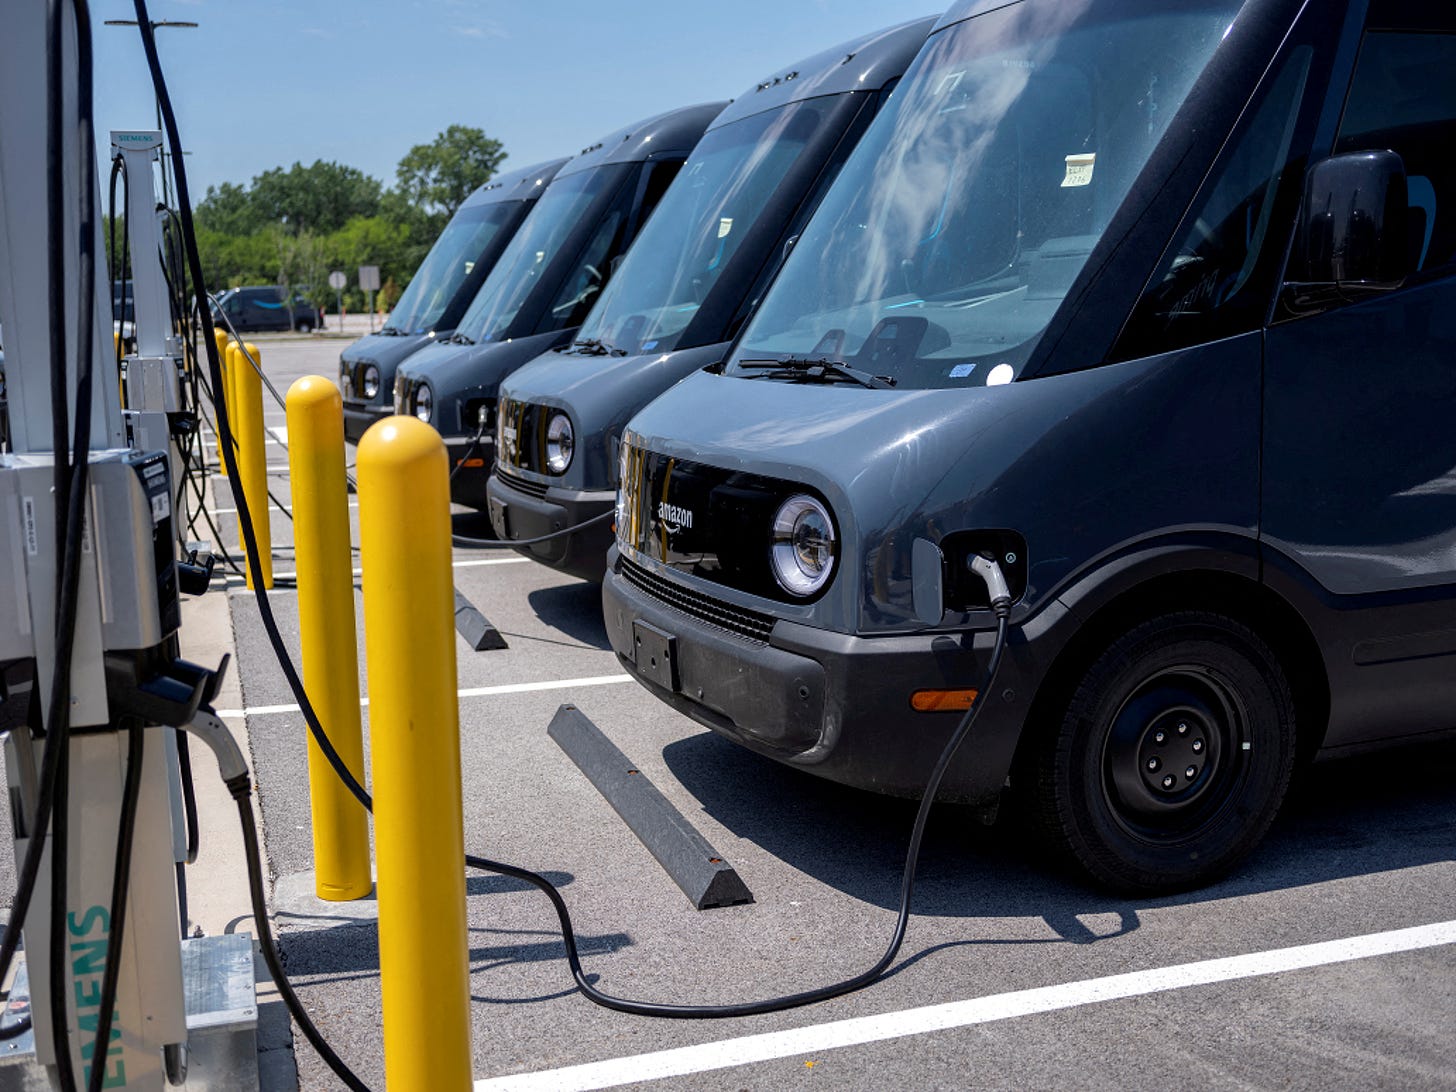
[
  {"x": 337, "y": 280},
  {"x": 369, "y": 283}
]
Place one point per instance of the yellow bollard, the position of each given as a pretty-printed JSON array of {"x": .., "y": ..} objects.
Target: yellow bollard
[
  {"x": 246, "y": 413},
  {"x": 414, "y": 731},
  {"x": 326, "y": 629},
  {"x": 220, "y": 336},
  {"x": 230, "y": 399}
]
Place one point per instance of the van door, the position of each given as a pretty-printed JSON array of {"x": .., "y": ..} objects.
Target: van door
[{"x": 1359, "y": 451}]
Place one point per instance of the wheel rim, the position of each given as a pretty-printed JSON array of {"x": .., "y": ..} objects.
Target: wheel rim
[{"x": 1174, "y": 754}]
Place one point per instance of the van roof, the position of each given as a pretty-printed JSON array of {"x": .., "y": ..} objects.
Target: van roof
[
  {"x": 865, "y": 63},
  {"x": 518, "y": 185},
  {"x": 674, "y": 132}
]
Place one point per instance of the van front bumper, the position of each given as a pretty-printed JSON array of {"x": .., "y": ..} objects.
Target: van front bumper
[
  {"x": 517, "y": 514},
  {"x": 358, "y": 416},
  {"x": 836, "y": 705}
]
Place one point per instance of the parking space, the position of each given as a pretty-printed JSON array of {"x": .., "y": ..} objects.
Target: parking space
[{"x": 1364, "y": 852}]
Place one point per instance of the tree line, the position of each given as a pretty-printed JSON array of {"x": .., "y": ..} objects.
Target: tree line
[{"x": 292, "y": 227}]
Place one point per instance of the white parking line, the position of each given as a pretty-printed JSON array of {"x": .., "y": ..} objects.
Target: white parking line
[
  {"x": 234, "y": 511},
  {"x": 472, "y": 692},
  {"x": 474, "y": 563},
  {"x": 748, "y": 1049}
]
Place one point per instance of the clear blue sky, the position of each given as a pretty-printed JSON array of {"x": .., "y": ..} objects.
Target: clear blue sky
[{"x": 265, "y": 83}]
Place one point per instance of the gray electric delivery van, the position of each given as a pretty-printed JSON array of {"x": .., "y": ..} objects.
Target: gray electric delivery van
[
  {"x": 1154, "y": 305},
  {"x": 686, "y": 286},
  {"x": 439, "y": 292},
  {"x": 544, "y": 284}
]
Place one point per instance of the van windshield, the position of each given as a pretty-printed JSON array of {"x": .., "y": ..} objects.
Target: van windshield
[
  {"x": 962, "y": 218},
  {"x": 532, "y": 249},
  {"x": 466, "y": 237},
  {"x": 699, "y": 226}
]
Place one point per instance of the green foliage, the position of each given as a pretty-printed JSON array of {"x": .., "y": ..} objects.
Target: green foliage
[
  {"x": 229, "y": 209},
  {"x": 442, "y": 174},
  {"x": 294, "y": 226}
]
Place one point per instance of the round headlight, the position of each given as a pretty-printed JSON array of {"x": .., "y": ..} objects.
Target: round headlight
[
  {"x": 424, "y": 402},
  {"x": 370, "y": 380},
  {"x": 803, "y": 547},
  {"x": 560, "y": 443}
]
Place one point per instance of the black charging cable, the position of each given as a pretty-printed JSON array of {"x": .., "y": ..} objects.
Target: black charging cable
[{"x": 507, "y": 543}]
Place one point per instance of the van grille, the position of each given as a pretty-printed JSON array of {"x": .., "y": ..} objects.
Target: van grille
[
  {"x": 534, "y": 489},
  {"x": 737, "y": 620}
]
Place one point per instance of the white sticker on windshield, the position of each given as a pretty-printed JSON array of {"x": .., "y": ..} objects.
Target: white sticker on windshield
[
  {"x": 725, "y": 225},
  {"x": 1079, "y": 169},
  {"x": 960, "y": 371}
]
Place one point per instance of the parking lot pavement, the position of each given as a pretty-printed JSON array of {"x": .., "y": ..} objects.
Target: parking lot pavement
[{"x": 1363, "y": 855}]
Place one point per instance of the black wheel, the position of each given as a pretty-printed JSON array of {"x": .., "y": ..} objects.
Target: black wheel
[
  {"x": 305, "y": 326},
  {"x": 1172, "y": 756}
]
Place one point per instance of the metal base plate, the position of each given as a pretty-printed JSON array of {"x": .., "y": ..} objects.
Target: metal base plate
[{"x": 222, "y": 1020}]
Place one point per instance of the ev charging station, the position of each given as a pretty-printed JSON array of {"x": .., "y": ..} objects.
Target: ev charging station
[{"x": 122, "y": 597}]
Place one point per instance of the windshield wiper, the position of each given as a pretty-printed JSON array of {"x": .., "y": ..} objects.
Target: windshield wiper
[
  {"x": 391, "y": 331},
  {"x": 821, "y": 368},
  {"x": 458, "y": 338},
  {"x": 595, "y": 347}
]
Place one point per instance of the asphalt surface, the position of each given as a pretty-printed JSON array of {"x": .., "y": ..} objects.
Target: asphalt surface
[{"x": 1363, "y": 848}]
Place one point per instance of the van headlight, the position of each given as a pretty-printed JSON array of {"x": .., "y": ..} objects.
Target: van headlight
[
  {"x": 370, "y": 381},
  {"x": 424, "y": 402},
  {"x": 802, "y": 545},
  {"x": 560, "y": 443}
]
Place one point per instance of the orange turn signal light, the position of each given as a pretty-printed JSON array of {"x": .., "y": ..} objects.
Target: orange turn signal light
[
  {"x": 472, "y": 463},
  {"x": 942, "y": 701}
]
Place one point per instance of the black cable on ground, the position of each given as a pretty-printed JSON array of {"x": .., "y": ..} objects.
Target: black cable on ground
[
  {"x": 120, "y": 886},
  {"x": 806, "y": 997},
  {"x": 506, "y": 543}
]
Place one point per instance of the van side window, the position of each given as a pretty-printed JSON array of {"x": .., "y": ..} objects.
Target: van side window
[
  {"x": 1403, "y": 98},
  {"x": 1216, "y": 280}
]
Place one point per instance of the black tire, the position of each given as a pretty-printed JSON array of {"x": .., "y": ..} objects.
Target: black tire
[
  {"x": 304, "y": 326},
  {"x": 1172, "y": 756}
]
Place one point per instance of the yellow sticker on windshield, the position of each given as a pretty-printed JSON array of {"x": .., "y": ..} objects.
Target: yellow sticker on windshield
[
  {"x": 725, "y": 225},
  {"x": 1079, "y": 169}
]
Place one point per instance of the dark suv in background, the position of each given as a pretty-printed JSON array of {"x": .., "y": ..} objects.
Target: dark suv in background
[{"x": 253, "y": 309}]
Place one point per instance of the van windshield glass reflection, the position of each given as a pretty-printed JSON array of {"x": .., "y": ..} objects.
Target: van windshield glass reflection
[
  {"x": 698, "y": 228},
  {"x": 452, "y": 259},
  {"x": 532, "y": 249},
  {"x": 961, "y": 220}
]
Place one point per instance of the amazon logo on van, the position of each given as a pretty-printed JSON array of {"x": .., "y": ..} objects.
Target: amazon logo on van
[{"x": 674, "y": 519}]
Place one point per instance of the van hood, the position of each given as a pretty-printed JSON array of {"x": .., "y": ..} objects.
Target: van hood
[
  {"x": 459, "y": 373},
  {"x": 386, "y": 351},
  {"x": 600, "y": 394},
  {"x": 1054, "y": 459}
]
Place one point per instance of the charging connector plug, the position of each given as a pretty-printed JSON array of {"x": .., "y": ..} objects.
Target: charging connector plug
[{"x": 985, "y": 566}]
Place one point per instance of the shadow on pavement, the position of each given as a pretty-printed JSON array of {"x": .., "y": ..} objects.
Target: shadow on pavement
[
  {"x": 335, "y": 955},
  {"x": 1347, "y": 817},
  {"x": 575, "y": 609}
]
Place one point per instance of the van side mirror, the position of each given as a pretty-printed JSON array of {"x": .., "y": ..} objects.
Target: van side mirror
[{"x": 1353, "y": 236}]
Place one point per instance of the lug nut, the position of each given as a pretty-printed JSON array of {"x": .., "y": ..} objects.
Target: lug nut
[
  {"x": 1169, "y": 781},
  {"x": 1182, "y": 729},
  {"x": 1191, "y": 772},
  {"x": 1160, "y": 736},
  {"x": 1154, "y": 763},
  {"x": 1198, "y": 746}
]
